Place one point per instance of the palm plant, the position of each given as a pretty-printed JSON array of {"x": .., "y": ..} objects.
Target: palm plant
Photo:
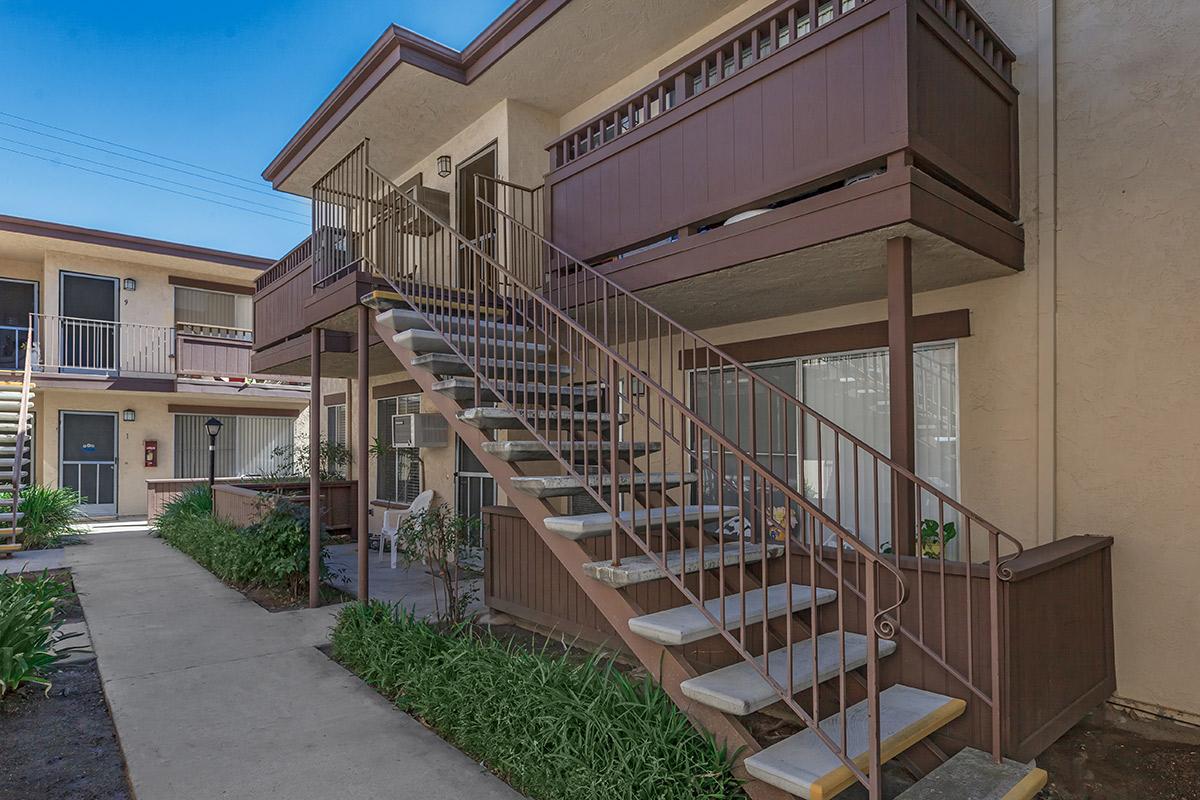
[{"x": 48, "y": 515}]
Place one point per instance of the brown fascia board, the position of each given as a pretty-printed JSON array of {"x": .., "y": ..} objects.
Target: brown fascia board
[
  {"x": 399, "y": 46},
  {"x": 124, "y": 241}
]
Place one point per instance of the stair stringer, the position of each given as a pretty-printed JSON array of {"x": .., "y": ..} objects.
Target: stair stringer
[{"x": 669, "y": 667}]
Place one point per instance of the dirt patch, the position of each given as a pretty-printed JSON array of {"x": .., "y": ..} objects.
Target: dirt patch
[
  {"x": 63, "y": 745},
  {"x": 282, "y": 600},
  {"x": 1111, "y": 756}
]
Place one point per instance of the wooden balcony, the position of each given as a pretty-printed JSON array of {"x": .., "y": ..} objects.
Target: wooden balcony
[
  {"x": 831, "y": 120},
  {"x": 289, "y": 304}
]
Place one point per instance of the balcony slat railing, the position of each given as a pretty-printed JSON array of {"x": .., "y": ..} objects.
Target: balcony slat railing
[
  {"x": 295, "y": 257},
  {"x": 742, "y": 48}
]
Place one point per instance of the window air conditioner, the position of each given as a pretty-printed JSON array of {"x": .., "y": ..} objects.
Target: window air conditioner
[{"x": 419, "y": 430}]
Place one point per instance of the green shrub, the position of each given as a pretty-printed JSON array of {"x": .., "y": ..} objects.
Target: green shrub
[
  {"x": 29, "y": 630},
  {"x": 272, "y": 553},
  {"x": 48, "y": 515},
  {"x": 555, "y": 729},
  {"x": 195, "y": 502}
]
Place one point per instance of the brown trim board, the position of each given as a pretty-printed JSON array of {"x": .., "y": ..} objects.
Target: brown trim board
[
  {"x": 212, "y": 286},
  {"x": 125, "y": 241},
  {"x": 864, "y": 336},
  {"x": 233, "y": 411},
  {"x": 336, "y": 399},
  {"x": 395, "y": 389}
]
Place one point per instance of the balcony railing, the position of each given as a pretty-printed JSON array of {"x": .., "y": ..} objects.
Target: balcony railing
[
  {"x": 745, "y": 46},
  {"x": 88, "y": 347},
  {"x": 295, "y": 257}
]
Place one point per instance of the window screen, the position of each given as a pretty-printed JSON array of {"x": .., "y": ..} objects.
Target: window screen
[{"x": 246, "y": 446}]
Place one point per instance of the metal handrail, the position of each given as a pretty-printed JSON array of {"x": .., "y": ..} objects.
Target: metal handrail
[
  {"x": 599, "y": 303},
  {"x": 438, "y": 255},
  {"x": 22, "y": 427},
  {"x": 103, "y": 346}
]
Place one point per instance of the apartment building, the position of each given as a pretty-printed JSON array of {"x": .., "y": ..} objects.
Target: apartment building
[
  {"x": 133, "y": 344},
  {"x": 896, "y": 260}
]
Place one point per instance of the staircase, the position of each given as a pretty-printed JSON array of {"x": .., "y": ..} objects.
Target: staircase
[
  {"x": 565, "y": 386},
  {"x": 15, "y": 456}
]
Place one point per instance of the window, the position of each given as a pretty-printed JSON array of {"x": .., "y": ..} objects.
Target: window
[
  {"x": 214, "y": 313},
  {"x": 851, "y": 389},
  {"x": 397, "y": 478},
  {"x": 335, "y": 424},
  {"x": 246, "y": 446}
]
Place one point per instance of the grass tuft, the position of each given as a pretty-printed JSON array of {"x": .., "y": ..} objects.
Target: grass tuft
[{"x": 553, "y": 728}]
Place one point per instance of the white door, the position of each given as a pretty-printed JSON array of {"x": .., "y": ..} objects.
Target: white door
[{"x": 88, "y": 459}]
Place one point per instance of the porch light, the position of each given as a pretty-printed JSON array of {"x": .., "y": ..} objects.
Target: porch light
[
  {"x": 443, "y": 165},
  {"x": 129, "y": 415},
  {"x": 129, "y": 285}
]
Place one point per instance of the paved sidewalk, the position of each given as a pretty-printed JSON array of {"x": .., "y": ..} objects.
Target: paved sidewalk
[{"x": 215, "y": 697}]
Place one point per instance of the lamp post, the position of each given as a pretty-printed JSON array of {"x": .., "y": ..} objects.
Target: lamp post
[{"x": 213, "y": 426}]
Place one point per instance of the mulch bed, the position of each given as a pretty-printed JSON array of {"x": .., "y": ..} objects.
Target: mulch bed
[{"x": 64, "y": 745}]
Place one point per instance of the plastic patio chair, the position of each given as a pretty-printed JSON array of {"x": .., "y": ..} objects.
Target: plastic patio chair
[{"x": 393, "y": 518}]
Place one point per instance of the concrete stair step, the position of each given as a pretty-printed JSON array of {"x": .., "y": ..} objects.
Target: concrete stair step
[
  {"x": 423, "y": 342},
  {"x": 449, "y": 298},
  {"x": 530, "y": 450},
  {"x": 640, "y": 569},
  {"x": 449, "y": 365},
  {"x": 10, "y": 533},
  {"x": 587, "y": 526},
  {"x": 740, "y": 689},
  {"x": 572, "y": 486},
  {"x": 684, "y": 624},
  {"x": 803, "y": 765},
  {"x": 9, "y": 549},
  {"x": 401, "y": 320},
  {"x": 464, "y": 389},
  {"x": 503, "y": 419},
  {"x": 972, "y": 775}
]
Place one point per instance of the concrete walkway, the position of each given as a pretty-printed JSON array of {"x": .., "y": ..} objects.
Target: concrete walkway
[{"x": 215, "y": 697}]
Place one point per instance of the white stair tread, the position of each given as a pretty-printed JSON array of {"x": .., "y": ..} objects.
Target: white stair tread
[
  {"x": 464, "y": 389},
  {"x": 451, "y": 364},
  {"x": 423, "y": 342},
  {"x": 740, "y": 689},
  {"x": 567, "y": 485},
  {"x": 804, "y": 765},
  {"x": 687, "y": 624},
  {"x": 401, "y": 320},
  {"x": 639, "y": 569},
  {"x": 488, "y": 418},
  {"x": 583, "y": 526},
  {"x": 532, "y": 450},
  {"x": 972, "y": 775}
]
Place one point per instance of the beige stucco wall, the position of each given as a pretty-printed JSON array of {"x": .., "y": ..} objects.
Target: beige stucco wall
[{"x": 153, "y": 420}]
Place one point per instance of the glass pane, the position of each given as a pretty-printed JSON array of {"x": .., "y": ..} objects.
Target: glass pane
[{"x": 88, "y": 437}]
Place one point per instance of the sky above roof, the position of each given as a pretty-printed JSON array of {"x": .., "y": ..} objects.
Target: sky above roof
[{"x": 193, "y": 99}]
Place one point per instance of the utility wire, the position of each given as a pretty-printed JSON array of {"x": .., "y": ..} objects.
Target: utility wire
[
  {"x": 256, "y": 184},
  {"x": 255, "y": 189},
  {"x": 205, "y": 189},
  {"x": 153, "y": 186}
]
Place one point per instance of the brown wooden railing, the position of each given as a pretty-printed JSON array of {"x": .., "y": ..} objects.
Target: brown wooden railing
[
  {"x": 294, "y": 258},
  {"x": 768, "y": 33},
  {"x": 771, "y": 516},
  {"x": 861, "y": 494}
]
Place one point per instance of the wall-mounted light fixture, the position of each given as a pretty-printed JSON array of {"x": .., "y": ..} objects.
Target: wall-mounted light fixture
[
  {"x": 130, "y": 285},
  {"x": 129, "y": 415},
  {"x": 443, "y": 165}
]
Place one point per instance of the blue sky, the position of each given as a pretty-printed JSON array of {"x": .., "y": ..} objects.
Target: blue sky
[{"x": 219, "y": 84}]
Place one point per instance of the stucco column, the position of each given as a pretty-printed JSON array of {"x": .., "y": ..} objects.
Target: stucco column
[
  {"x": 361, "y": 447},
  {"x": 314, "y": 470},
  {"x": 900, "y": 384}
]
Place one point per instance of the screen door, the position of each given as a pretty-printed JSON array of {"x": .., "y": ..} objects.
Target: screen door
[{"x": 88, "y": 459}]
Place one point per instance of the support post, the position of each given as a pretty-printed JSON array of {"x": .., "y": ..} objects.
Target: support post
[
  {"x": 314, "y": 470},
  {"x": 361, "y": 447},
  {"x": 900, "y": 368}
]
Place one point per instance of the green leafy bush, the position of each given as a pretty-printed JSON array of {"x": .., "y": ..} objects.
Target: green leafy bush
[
  {"x": 272, "y": 553},
  {"x": 30, "y": 640},
  {"x": 553, "y": 728},
  {"x": 48, "y": 515},
  {"x": 440, "y": 538}
]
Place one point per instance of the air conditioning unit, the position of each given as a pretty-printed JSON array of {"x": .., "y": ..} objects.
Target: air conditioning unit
[{"x": 420, "y": 430}]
